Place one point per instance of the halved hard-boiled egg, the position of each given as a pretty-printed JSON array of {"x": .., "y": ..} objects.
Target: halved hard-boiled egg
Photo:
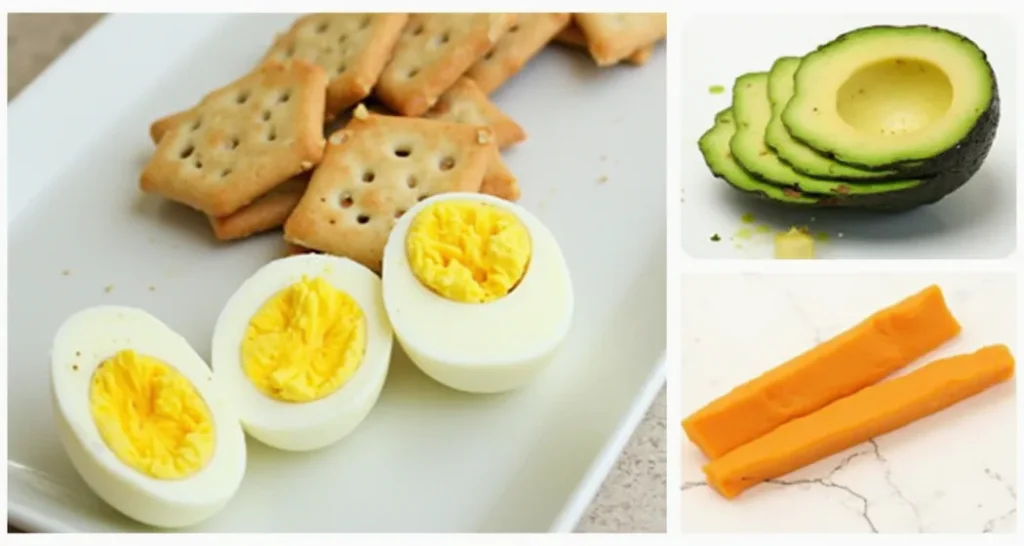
[
  {"x": 477, "y": 289},
  {"x": 142, "y": 419},
  {"x": 302, "y": 348}
]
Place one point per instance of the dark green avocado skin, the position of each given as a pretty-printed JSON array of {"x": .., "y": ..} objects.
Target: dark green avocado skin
[{"x": 960, "y": 161}]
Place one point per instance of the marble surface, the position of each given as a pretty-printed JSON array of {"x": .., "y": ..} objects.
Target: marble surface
[
  {"x": 954, "y": 471},
  {"x": 632, "y": 498}
]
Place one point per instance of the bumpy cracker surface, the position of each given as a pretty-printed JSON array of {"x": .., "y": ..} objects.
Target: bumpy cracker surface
[
  {"x": 267, "y": 212},
  {"x": 612, "y": 37},
  {"x": 433, "y": 51},
  {"x": 465, "y": 102},
  {"x": 377, "y": 168},
  {"x": 573, "y": 36},
  {"x": 352, "y": 48},
  {"x": 240, "y": 141},
  {"x": 524, "y": 39}
]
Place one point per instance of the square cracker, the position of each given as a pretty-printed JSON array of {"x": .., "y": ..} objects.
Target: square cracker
[
  {"x": 352, "y": 48},
  {"x": 524, "y": 39},
  {"x": 612, "y": 37},
  {"x": 465, "y": 102},
  {"x": 573, "y": 36},
  {"x": 241, "y": 140},
  {"x": 375, "y": 169},
  {"x": 265, "y": 213},
  {"x": 434, "y": 50}
]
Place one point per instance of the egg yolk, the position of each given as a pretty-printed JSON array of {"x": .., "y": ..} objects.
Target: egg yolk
[
  {"x": 468, "y": 251},
  {"x": 151, "y": 416},
  {"x": 305, "y": 342}
]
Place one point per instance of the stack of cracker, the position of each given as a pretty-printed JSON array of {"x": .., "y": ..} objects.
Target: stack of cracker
[
  {"x": 253, "y": 156},
  {"x": 612, "y": 38}
]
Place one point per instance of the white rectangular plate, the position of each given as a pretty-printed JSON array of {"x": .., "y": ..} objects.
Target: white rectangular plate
[
  {"x": 427, "y": 458},
  {"x": 977, "y": 221}
]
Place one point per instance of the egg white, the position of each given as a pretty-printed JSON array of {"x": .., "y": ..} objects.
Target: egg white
[
  {"x": 480, "y": 347},
  {"x": 93, "y": 335},
  {"x": 302, "y": 426}
]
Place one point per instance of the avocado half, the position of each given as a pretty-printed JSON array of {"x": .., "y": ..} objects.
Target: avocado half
[
  {"x": 919, "y": 100},
  {"x": 803, "y": 158},
  {"x": 752, "y": 110}
]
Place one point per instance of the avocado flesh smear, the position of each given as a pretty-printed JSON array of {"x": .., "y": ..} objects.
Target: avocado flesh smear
[{"x": 752, "y": 111}]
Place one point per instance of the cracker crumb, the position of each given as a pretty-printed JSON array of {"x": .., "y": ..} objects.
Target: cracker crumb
[
  {"x": 152, "y": 288},
  {"x": 602, "y": 180},
  {"x": 339, "y": 138},
  {"x": 109, "y": 288},
  {"x": 483, "y": 136},
  {"x": 66, "y": 272},
  {"x": 361, "y": 112}
]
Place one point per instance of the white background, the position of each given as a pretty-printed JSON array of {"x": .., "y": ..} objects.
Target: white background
[
  {"x": 977, "y": 221},
  {"x": 955, "y": 471}
]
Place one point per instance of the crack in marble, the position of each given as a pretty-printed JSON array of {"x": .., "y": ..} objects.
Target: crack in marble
[
  {"x": 997, "y": 477},
  {"x": 887, "y": 473},
  {"x": 825, "y": 482},
  {"x": 990, "y": 525},
  {"x": 692, "y": 485}
]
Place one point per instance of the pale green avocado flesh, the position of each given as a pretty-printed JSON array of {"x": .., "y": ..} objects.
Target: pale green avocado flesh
[
  {"x": 752, "y": 112},
  {"x": 802, "y": 158}
]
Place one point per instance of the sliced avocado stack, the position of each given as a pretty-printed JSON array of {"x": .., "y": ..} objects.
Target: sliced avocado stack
[{"x": 883, "y": 118}]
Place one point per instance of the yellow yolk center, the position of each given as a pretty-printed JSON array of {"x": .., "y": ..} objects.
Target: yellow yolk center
[
  {"x": 151, "y": 416},
  {"x": 467, "y": 251},
  {"x": 305, "y": 342}
]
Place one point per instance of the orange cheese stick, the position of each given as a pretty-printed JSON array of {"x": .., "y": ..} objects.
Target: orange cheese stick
[
  {"x": 859, "y": 417},
  {"x": 883, "y": 343}
]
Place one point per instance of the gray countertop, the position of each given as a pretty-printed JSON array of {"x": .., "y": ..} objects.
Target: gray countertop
[{"x": 632, "y": 499}]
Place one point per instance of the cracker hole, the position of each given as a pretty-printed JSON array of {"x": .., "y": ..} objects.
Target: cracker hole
[
  {"x": 233, "y": 143},
  {"x": 332, "y": 221},
  {"x": 197, "y": 124},
  {"x": 417, "y": 30},
  {"x": 225, "y": 173},
  {"x": 285, "y": 96},
  {"x": 242, "y": 97},
  {"x": 322, "y": 28},
  {"x": 412, "y": 73},
  {"x": 272, "y": 135},
  {"x": 443, "y": 39},
  {"x": 198, "y": 163},
  {"x": 365, "y": 22},
  {"x": 489, "y": 55},
  {"x": 403, "y": 151},
  {"x": 369, "y": 176},
  {"x": 411, "y": 181},
  {"x": 447, "y": 163},
  {"x": 513, "y": 28},
  {"x": 342, "y": 68},
  {"x": 266, "y": 115},
  {"x": 362, "y": 219},
  {"x": 399, "y": 213},
  {"x": 343, "y": 38},
  {"x": 187, "y": 151},
  {"x": 422, "y": 197},
  {"x": 290, "y": 52},
  {"x": 346, "y": 201}
]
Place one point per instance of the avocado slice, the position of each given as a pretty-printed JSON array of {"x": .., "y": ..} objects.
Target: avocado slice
[
  {"x": 803, "y": 159},
  {"x": 714, "y": 145},
  {"x": 752, "y": 111},
  {"x": 918, "y": 99}
]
